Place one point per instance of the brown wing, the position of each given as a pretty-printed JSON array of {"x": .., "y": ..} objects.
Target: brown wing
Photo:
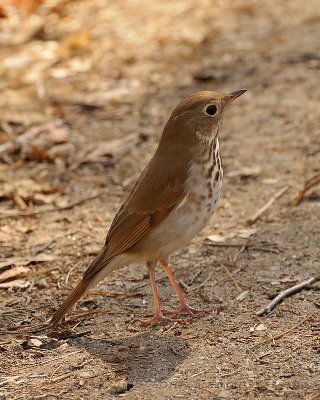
[{"x": 155, "y": 194}]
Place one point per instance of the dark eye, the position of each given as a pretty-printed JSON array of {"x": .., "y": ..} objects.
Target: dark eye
[{"x": 211, "y": 110}]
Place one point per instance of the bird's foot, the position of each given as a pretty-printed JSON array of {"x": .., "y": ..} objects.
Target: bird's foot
[
  {"x": 159, "y": 318},
  {"x": 186, "y": 309}
]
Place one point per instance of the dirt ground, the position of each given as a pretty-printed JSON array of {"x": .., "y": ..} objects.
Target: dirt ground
[{"x": 86, "y": 88}]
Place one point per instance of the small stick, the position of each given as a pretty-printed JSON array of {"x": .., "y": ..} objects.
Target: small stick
[
  {"x": 71, "y": 102},
  {"x": 24, "y": 137},
  {"x": 271, "y": 339},
  {"x": 68, "y": 335},
  {"x": 148, "y": 282},
  {"x": 245, "y": 246},
  {"x": 263, "y": 209},
  {"x": 218, "y": 244},
  {"x": 13, "y": 213},
  {"x": 307, "y": 185},
  {"x": 232, "y": 278},
  {"x": 286, "y": 293},
  {"x": 110, "y": 293}
]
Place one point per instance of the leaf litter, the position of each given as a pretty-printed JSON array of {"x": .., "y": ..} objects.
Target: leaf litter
[{"x": 79, "y": 85}]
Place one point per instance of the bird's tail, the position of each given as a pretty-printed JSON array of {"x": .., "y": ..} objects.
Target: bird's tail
[
  {"x": 100, "y": 267},
  {"x": 69, "y": 302}
]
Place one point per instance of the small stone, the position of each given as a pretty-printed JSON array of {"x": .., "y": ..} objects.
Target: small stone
[
  {"x": 63, "y": 347},
  {"x": 35, "y": 342},
  {"x": 119, "y": 387}
]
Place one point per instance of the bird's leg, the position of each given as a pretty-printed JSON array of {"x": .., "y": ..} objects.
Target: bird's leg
[
  {"x": 185, "y": 308},
  {"x": 157, "y": 317}
]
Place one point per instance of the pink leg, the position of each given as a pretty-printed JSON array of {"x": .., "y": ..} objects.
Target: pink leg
[
  {"x": 185, "y": 308},
  {"x": 157, "y": 317}
]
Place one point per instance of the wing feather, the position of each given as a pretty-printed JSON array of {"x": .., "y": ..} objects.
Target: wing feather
[{"x": 153, "y": 197}]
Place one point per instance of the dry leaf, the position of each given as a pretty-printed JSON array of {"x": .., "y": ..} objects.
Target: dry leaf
[
  {"x": 242, "y": 295},
  {"x": 245, "y": 172},
  {"x": 217, "y": 238},
  {"x": 246, "y": 232},
  {"x": 35, "y": 142},
  {"x": 35, "y": 342},
  {"x": 14, "y": 273},
  {"x": 261, "y": 327},
  {"x": 75, "y": 43},
  {"x": 103, "y": 151},
  {"x": 23, "y": 190},
  {"x": 26, "y": 260},
  {"x": 17, "y": 283}
]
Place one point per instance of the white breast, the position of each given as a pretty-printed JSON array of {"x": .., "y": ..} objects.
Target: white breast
[{"x": 191, "y": 215}]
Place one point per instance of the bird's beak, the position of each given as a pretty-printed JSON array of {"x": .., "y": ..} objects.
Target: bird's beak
[{"x": 233, "y": 95}]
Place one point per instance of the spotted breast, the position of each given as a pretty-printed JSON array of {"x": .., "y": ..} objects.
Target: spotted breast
[{"x": 203, "y": 189}]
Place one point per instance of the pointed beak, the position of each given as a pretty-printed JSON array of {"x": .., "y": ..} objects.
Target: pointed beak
[{"x": 233, "y": 95}]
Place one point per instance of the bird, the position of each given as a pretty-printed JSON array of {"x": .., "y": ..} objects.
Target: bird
[{"x": 171, "y": 202}]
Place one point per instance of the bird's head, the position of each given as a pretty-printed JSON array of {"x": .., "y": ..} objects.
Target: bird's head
[{"x": 198, "y": 116}]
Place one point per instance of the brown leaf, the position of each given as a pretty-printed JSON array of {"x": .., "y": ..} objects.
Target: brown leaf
[
  {"x": 245, "y": 172},
  {"x": 17, "y": 283},
  {"x": 26, "y": 260},
  {"x": 14, "y": 273},
  {"x": 102, "y": 151},
  {"x": 23, "y": 190}
]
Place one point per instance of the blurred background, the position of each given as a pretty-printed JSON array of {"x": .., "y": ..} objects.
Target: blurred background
[{"x": 86, "y": 87}]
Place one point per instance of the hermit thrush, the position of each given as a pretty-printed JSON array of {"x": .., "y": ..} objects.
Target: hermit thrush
[{"x": 172, "y": 201}]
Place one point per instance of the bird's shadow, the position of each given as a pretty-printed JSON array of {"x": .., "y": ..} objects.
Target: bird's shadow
[{"x": 147, "y": 357}]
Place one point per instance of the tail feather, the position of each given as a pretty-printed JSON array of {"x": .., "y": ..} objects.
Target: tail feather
[
  {"x": 69, "y": 302},
  {"x": 98, "y": 269}
]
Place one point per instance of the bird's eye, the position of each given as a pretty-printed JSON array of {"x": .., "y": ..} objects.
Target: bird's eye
[{"x": 211, "y": 110}]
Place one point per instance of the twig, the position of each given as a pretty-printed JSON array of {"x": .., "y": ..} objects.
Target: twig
[
  {"x": 61, "y": 377},
  {"x": 27, "y": 330},
  {"x": 9, "y": 379},
  {"x": 41, "y": 248},
  {"x": 70, "y": 102},
  {"x": 232, "y": 278},
  {"x": 14, "y": 213},
  {"x": 86, "y": 313},
  {"x": 286, "y": 293},
  {"x": 56, "y": 370},
  {"x": 148, "y": 282},
  {"x": 263, "y": 209},
  {"x": 67, "y": 335},
  {"x": 197, "y": 287},
  {"x": 280, "y": 335},
  {"x": 307, "y": 185},
  {"x": 110, "y": 293},
  {"x": 238, "y": 253},
  {"x": 69, "y": 273},
  {"x": 218, "y": 244},
  {"x": 27, "y": 135},
  {"x": 245, "y": 246}
]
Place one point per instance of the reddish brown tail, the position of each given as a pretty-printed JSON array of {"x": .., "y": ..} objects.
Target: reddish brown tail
[{"x": 69, "y": 302}]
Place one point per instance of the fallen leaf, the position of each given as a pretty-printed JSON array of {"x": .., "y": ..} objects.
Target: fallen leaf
[
  {"x": 261, "y": 327},
  {"x": 216, "y": 238},
  {"x": 35, "y": 142},
  {"x": 242, "y": 295},
  {"x": 245, "y": 172},
  {"x": 14, "y": 273},
  {"x": 21, "y": 191},
  {"x": 246, "y": 232},
  {"x": 74, "y": 43},
  {"x": 35, "y": 342},
  {"x": 17, "y": 283},
  {"x": 100, "y": 152},
  {"x": 26, "y": 260}
]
